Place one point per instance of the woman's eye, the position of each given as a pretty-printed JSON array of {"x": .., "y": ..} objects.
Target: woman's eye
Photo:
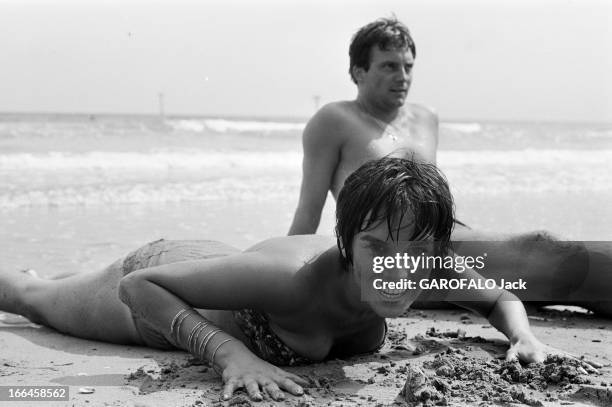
[{"x": 378, "y": 248}]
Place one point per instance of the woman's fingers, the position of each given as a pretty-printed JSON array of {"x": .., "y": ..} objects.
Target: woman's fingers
[
  {"x": 594, "y": 364},
  {"x": 273, "y": 390},
  {"x": 511, "y": 355},
  {"x": 587, "y": 365},
  {"x": 530, "y": 355},
  {"x": 297, "y": 379},
  {"x": 228, "y": 390},
  {"x": 252, "y": 388},
  {"x": 591, "y": 366},
  {"x": 270, "y": 379},
  {"x": 290, "y": 386}
]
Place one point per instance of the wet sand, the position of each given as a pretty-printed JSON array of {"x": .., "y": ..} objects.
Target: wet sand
[{"x": 458, "y": 356}]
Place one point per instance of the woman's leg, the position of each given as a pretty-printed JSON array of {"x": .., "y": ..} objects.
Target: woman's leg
[
  {"x": 84, "y": 305},
  {"x": 87, "y": 304}
]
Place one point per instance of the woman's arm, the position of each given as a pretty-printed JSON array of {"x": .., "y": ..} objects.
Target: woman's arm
[
  {"x": 509, "y": 316},
  {"x": 504, "y": 311},
  {"x": 251, "y": 279},
  {"x": 166, "y": 295}
]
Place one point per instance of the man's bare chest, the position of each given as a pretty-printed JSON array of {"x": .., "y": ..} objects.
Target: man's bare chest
[{"x": 409, "y": 142}]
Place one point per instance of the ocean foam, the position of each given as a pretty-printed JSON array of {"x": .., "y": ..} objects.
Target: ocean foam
[
  {"x": 280, "y": 187},
  {"x": 198, "y": 159},
  {"x": 462, "y": 127},
  {"x": 226, "y": 190},
  {"x": 97, "y": 177},
  {"x": 155, "y": 161},
  {"x": 524, "y": 158},
  {"x": 234, "y": 126}
]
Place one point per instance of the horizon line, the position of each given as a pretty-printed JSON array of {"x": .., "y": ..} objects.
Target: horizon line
[{"x": 289, "y": 118}]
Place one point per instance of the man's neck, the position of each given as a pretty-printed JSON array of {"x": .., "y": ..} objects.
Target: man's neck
[{"x": 385, "y": 114}]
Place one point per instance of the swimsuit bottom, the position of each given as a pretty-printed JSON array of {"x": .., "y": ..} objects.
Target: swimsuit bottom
[{"x": 166, "y": 252}]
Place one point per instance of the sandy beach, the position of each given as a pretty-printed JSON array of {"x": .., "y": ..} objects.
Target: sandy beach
[
  {"x": 112, "y": 375},
  {"x": 124, "y": 123},
  {"x": 79, "y": 194}
]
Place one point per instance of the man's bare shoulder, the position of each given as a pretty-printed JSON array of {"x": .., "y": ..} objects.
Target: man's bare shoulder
[
  {"x": 334, "y": 121},
  {"x": 421, "y": 112},
  {"x": 337, "y": 109},
  {"x": 336, "y": 115}
]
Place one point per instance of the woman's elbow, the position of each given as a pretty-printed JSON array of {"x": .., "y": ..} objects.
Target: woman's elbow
[{"x": 128, "y": 287}]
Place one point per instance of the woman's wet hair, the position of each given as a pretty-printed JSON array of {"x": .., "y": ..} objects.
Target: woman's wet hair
[
  {"x": 386, "y": 33},
  {"x": 388, "y": 189}
]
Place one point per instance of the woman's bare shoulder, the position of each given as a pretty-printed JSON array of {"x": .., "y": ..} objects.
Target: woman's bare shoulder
[
  {"x": 300, "y": 254},
  {"x": 294, "y": 246},
  {"x": 304, "y": 262}
]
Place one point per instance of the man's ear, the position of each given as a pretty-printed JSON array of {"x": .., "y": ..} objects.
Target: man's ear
[{"x": 358, "y": 73}]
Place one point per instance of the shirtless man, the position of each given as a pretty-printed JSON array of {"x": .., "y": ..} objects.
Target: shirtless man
[{"x": 341, "y": 136}]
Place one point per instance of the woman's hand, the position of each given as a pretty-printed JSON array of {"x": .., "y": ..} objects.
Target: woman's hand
[
  {"x": 244, "y": 369},
  {"x": 528, "y": 349}
]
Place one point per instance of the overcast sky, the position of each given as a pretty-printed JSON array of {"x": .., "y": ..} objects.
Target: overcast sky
[{"x": 509, "y": 60}]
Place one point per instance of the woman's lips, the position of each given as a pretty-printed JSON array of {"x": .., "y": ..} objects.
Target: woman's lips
[{"x": 392, "y": 293}]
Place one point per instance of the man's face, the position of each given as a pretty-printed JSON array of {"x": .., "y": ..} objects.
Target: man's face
[{"x": 386, "y": 83}]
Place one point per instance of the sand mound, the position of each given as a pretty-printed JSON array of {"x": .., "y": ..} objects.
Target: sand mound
[{"x": 454, "y": 377}]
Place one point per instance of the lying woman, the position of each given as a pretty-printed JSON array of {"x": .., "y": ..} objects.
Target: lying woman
[{"x": 285, "y": 301}]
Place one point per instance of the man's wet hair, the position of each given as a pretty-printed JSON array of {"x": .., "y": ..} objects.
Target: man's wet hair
[
  {"x": 386, "y": 33},
  {"x": 387, "y": 189}
]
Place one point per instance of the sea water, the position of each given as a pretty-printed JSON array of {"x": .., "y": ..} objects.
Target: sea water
[{"x": 78, "y": 191}]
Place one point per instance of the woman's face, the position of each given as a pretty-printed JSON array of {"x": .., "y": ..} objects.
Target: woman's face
[{"x": 382, "y": 258}]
